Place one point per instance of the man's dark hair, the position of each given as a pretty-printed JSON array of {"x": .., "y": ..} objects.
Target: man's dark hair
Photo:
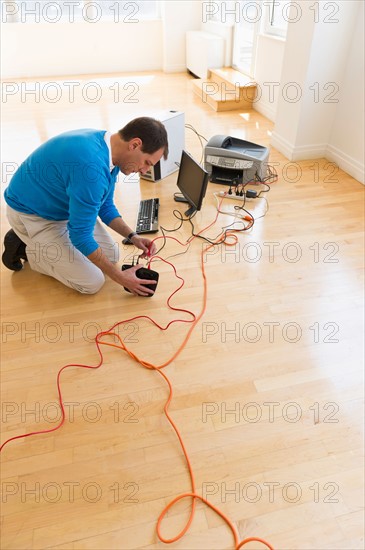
[{"x": 152, "y": 133}]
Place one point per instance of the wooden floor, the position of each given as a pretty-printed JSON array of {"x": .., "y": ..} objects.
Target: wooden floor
[{"x": 267, "y": 392}]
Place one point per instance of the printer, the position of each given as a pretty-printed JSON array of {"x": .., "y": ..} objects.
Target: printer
[{"x": 228, "y": 159}]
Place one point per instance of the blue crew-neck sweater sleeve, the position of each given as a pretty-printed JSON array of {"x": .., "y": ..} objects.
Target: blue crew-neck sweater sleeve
[{"x": 68, "y": 178}]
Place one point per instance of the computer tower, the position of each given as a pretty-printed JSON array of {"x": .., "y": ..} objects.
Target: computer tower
[{"x": 174, "y": 122}]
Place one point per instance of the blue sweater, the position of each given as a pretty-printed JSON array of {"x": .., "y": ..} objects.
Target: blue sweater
[{"x": 68, "y": 178}]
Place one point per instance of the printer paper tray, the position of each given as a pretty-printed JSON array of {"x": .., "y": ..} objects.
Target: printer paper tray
[{"x": 225, "y": 176}]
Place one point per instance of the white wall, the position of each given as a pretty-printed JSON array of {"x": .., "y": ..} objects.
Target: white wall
[
  {"x": 316, "y": 61},
  {"x": 80, "y": 47},
  {"x": 346, "y": 143},
  {"x": 64, "y": 48},
  {"x": 178, "y": 17}
]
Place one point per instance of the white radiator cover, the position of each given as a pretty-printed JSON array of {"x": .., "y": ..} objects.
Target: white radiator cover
[{"x": 204, "y": 51}]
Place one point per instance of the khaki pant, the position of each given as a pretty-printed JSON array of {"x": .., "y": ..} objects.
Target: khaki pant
[{"x": 50, "y": 251}]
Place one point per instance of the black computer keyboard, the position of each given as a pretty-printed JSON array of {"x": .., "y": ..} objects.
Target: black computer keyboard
[{"x": 147, "y": 218}]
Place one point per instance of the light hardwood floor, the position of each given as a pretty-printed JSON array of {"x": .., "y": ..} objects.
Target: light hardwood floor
[{"x": 267, "y": 392}]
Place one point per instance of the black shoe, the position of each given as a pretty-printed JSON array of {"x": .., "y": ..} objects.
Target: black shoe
[{"x": 14, "y": 251}]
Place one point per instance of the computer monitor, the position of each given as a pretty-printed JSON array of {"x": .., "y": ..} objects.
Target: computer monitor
[{"x": 192, "y": 181}]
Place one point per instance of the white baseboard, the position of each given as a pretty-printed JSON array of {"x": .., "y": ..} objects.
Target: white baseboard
[
  {"x": 282, "y": 145},
  {"x": 179, "y": 68},
  {"x": 265, "y": 109},
  {"x": 301, "y": 152},
  {"x": 305, "y": 152},
  {"x": 346, "y": 163}
]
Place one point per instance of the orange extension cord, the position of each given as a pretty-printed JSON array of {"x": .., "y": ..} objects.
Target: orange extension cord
[{"x": 195, "y": 319}]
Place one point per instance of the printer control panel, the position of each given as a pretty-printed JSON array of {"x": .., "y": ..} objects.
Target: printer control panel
[{"x": 227, "y": 162}]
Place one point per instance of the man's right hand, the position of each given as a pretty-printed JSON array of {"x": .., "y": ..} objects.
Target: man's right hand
[
  {"x": 125, "y": 278},
  {"x": 129, "y": 279}
]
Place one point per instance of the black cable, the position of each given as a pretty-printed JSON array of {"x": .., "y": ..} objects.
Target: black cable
[
  {"x": 200, "y": 137},
  {"x": 164, "y": 230},
  {"x": 223, "y": 232},
  {"x": 272, "y": 176},
  {"x": 191, "y": 127},
  {"x": 264, "y": 190},
  {"x": 200, "y": 236},
  {"x": 237, "y": 207},
  {"x": 164, "y": 241}
]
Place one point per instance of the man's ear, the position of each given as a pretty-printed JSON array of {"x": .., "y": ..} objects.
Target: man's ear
[{"x": 135, "y": 143}]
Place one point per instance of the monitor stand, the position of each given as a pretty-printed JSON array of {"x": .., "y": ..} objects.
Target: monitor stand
[
  {"x": 180, "y": 199},
  {"x": 190, "y": 211}
]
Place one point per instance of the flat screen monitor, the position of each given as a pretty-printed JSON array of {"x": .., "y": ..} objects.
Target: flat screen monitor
[{"x": 192, "y": 182}]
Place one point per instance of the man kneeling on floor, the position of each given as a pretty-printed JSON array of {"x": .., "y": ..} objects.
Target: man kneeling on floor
[{"x": 57, "y": 194}]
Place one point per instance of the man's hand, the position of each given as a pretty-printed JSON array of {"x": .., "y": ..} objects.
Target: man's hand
[
  {"x": 146, "y": 245},
  {"x": 125, "y": 278},
  {"x": 148, "y": 248},
  {"x": 134, "y": 284}
]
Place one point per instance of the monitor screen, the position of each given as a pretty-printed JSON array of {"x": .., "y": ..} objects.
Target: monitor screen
[{"x": 192, "y": 181}]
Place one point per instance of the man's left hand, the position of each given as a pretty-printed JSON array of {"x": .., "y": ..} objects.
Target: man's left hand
[{"x": 146, "y": 245}]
